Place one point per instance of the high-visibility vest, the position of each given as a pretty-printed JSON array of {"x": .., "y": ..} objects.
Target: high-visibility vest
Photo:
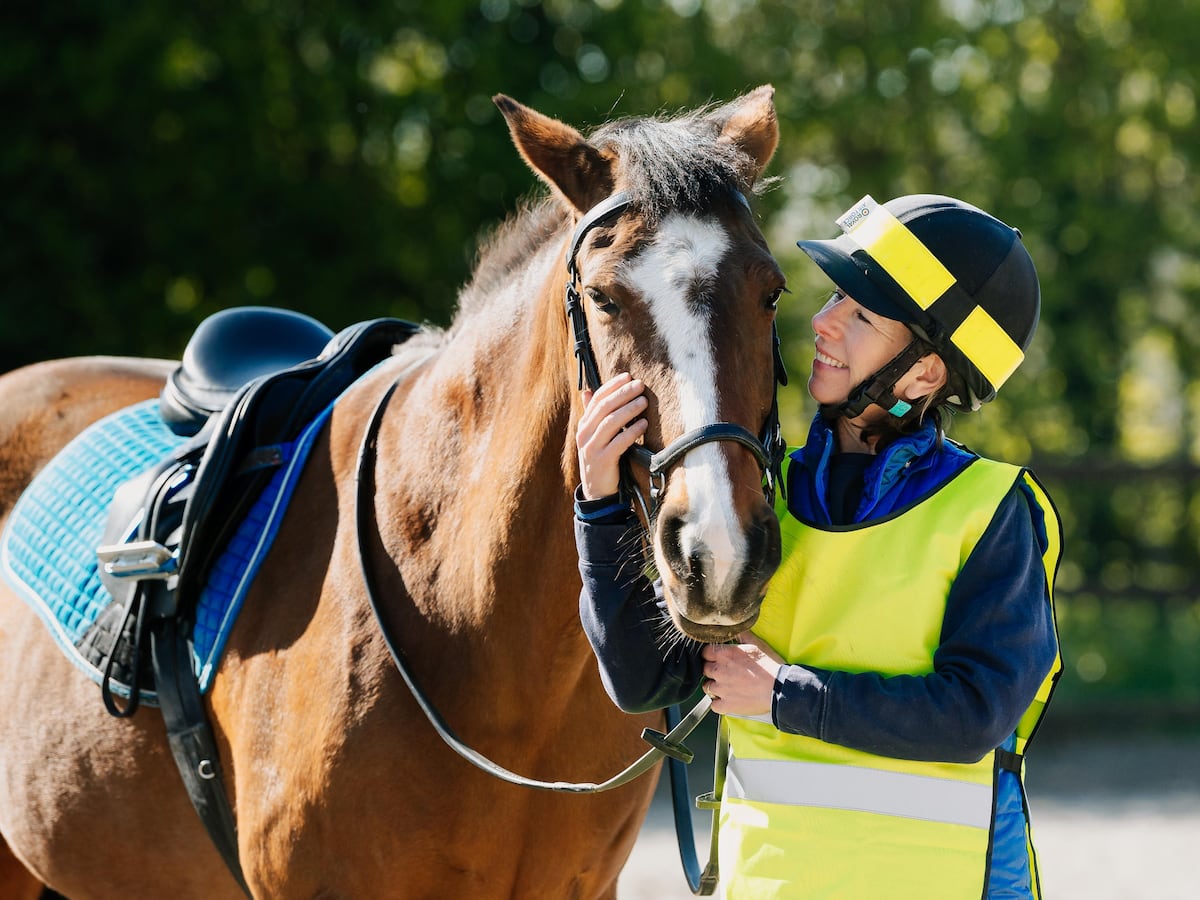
[{"x": 802, "y": 818}]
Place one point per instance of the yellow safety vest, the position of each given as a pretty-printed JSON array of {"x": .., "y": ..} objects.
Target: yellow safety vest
[{"x": 802, "y": 818}]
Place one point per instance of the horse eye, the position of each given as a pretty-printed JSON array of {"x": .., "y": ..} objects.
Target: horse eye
[
  {"x": 773, "y": 297},
  {"x": 602, "y": 301}
]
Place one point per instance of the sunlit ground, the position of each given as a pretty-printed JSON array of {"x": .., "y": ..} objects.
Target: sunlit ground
[{"x": 1116, "y": 820}]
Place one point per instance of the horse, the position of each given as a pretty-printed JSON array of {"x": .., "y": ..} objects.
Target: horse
[{"x": 339, "y": 786}]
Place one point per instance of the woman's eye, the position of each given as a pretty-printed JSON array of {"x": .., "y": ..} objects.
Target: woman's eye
[{"x": 602, "y": 301}]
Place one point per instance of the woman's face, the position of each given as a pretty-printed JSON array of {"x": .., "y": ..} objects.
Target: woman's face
[{"x": 853, "y": 343}]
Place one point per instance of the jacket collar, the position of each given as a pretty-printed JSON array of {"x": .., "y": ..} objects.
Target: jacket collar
[{"x": 903, "y": 458}]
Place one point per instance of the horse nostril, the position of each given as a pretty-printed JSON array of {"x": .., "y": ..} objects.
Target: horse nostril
[
  {"x": 687, "y": 564},
  {"x": 695, "y": 564},
  {"x": 669, "y": 530},
  {"x": 769, "y": 540}
]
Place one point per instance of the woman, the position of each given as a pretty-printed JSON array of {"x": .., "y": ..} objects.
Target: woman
[{"x": 879, "y": 712}]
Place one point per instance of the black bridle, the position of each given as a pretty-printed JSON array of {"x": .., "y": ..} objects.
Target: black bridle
[{"x": 768, "y": 447}]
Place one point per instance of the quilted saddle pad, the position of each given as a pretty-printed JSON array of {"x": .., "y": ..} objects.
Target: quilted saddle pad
[{"x": 48, "y": 549}]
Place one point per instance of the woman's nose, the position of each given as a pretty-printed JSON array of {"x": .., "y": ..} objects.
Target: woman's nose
[{"x": 825, "y": 319}]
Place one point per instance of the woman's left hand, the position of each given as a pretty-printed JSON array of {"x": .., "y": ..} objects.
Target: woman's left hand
[{"x": 740, "y": 677}]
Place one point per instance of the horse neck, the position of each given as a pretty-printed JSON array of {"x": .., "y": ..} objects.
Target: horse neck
[
  {"x": 498, "y": 396},
  {"x": 512, "y": 355}
]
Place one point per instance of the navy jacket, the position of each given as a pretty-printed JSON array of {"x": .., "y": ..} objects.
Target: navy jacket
[{"x": 997, "y": 641}]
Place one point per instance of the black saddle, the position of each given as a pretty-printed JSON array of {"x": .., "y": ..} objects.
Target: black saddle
[
  {"x": 230, "y": 349},
  {"x": 251, "y": 379}
]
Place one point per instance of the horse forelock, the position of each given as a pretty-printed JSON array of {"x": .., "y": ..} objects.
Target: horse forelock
[{"x": 674, "y": 163}]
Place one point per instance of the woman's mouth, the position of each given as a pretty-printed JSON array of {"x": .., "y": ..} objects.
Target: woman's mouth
[{"x": 829, "y": 361}]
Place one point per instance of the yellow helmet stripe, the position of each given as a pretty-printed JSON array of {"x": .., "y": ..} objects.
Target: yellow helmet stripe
[
  {"x": 987, "y": 346},
  {"x": 909, "y": 262}
]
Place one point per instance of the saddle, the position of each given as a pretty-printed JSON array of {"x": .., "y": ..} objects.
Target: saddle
[{"x": 250, "y": 381}]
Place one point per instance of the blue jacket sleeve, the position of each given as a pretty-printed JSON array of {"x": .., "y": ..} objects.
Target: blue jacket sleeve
[
  {"x": 997, "y": 644},
  {"x": 644, "y": 664}
]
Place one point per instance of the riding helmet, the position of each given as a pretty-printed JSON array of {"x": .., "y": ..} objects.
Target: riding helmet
[{"x": 960, "y": 278}]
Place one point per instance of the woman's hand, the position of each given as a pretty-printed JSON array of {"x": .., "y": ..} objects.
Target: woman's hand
[
  {"x": 610, "y": 425},
  {"x": 741, "y": 677}
]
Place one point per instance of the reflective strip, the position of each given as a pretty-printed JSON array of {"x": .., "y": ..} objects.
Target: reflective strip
[
  {"x": 897, "y": 250},
  {"x": 987, "y": 346},
  {"x": 860, "y": 790}
]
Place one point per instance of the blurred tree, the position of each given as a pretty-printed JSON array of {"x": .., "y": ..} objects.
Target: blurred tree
[{"x": 172, "y": 161}]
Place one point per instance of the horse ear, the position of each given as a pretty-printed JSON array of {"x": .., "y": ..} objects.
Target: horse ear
[
  {"x": 749, "y": 123},
  {"x": 559, "y": 154}
]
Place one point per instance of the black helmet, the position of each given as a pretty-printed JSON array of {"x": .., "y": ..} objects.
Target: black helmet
[{"x": 959, "y": 278}]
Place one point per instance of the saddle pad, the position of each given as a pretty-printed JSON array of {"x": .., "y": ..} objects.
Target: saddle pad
[
  {"x": 49, "y": 547},
  {"x": 234, "y": 570},
  {"x": 48, "y": 550}
]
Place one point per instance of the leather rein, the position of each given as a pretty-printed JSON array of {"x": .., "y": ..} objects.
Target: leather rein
[
  {"x": 768, "y": 450},
  {"x": 668, "y": 744}
]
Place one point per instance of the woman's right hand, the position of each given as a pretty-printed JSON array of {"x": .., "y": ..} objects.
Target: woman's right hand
[{"x": 610, "y": 425}]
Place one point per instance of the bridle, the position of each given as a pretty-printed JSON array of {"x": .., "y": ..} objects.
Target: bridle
[{"x": 768, "y": 447}]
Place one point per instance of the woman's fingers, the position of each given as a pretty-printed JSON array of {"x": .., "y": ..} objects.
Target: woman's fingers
[
  {"x": 610, "y": 425},
  {"x": 613, "y": 406},
  {"x": 740, "y": 678},
  {"x": 599, "y": 461}
]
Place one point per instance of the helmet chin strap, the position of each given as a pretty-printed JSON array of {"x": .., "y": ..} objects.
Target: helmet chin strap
[{"x": 878, "y": 389}]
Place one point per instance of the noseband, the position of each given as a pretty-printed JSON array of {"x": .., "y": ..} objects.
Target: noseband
[{"x": 768, "y": 449}]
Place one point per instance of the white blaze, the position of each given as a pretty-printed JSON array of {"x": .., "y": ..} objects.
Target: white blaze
[{"x": 687, "y": 251}]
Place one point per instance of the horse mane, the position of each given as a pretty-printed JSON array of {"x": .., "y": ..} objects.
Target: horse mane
[{"x": 510, "y": 245}]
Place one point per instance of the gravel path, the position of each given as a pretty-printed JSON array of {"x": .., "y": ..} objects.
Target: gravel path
[{"x": 1112, "y": 821}]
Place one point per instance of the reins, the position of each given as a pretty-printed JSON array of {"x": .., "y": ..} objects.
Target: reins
[{"x": 662, "y": 745}]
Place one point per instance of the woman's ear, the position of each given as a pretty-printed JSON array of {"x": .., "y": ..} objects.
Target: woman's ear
[{"x": 927, "y": 375}]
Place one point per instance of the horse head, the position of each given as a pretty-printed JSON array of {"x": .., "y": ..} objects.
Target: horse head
[{"x": 671, "y": 279}]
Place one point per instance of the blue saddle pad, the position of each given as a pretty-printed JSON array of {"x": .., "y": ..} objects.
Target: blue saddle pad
[{"x": 48, "y": 549}]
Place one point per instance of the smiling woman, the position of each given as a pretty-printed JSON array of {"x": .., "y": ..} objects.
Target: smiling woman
[{"x": 892, "y": 677}]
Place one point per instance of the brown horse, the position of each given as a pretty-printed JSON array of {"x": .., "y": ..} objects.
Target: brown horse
[{"x": 340, "y": 787}]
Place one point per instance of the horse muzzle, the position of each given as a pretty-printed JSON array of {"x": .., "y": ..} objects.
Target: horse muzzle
[{"x": 714, "y": 580}]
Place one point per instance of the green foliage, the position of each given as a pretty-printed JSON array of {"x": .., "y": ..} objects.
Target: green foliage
[
  {"x": 172, "y": 161},
  {"x": 164, "y": 161}
]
